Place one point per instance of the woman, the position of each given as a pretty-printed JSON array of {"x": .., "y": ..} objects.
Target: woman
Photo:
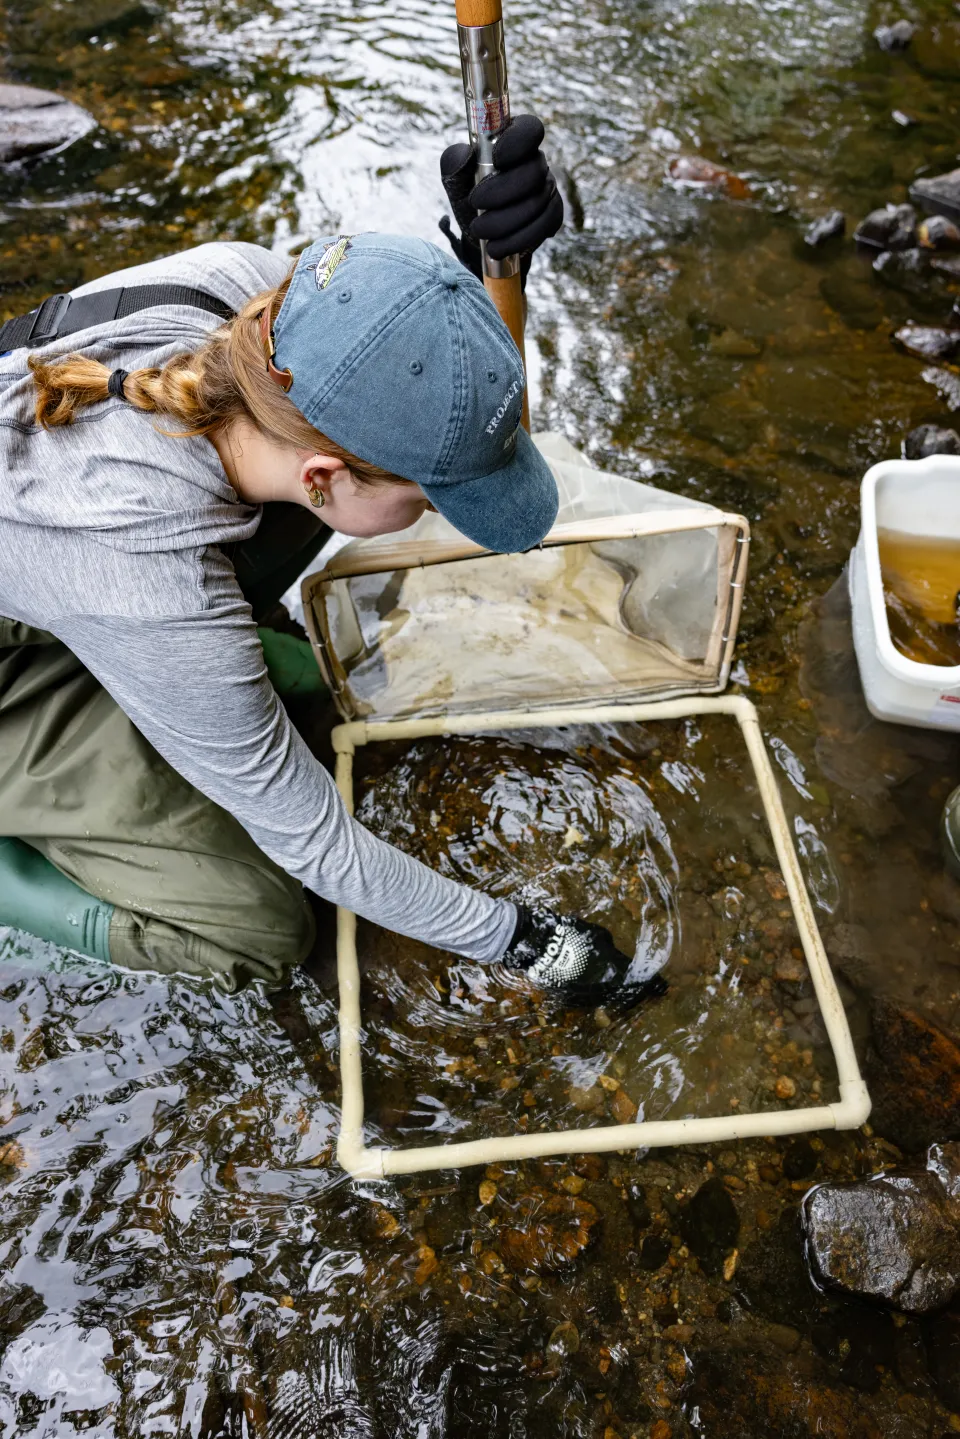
[{"x": 162, "y": 811}]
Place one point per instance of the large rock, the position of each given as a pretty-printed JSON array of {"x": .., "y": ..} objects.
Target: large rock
[
  {"x": 34, "y": 122},
  {"x": 893, "y": 1237},
  {"x": 913, "y": 1076}
]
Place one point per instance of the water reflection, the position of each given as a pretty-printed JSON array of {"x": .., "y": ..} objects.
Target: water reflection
[{"x": 576, "y": 820}]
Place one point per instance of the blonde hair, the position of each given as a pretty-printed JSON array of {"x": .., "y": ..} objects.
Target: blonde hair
[{"x": 223, "y": 381}]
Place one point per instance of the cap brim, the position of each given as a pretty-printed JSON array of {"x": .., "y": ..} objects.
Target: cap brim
[{"x": 508, "y": 510}]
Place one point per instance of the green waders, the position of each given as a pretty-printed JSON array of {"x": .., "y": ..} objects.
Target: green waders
[{"x": 106, "y": 849}]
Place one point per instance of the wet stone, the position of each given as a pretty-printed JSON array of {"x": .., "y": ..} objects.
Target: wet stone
[
  {"x": 697, "y": 172},
  {"x": 895, "y": 38},
  {"x": 784, "y": 1336},
  {"x": 892, "y": 1237},
  {"x": 938, "y": 233},
  {"x": 892, "y": 227},
  {"x": 832, "y": 226},
  {"x": 565, "y": 1339},
  {"x": 34, "y": 122},
  {"x": 548, "y": 1232},
  {"x": 799, "y": 1160},
  {"x": 908, "y": 271},
  {"x": 928, "y": 342},
  {"x": 654, "y": 1252},
  {"x": 734, "y": 346},
  {"x": 913, "y": 1075},
  {"x": 930, "y": 440},
  {"x": 938, "y": 194},
  {"x": 710, "y": 1225}
]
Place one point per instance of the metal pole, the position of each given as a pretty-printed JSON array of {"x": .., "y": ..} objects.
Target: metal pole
[{"x": 483, "y": 61}]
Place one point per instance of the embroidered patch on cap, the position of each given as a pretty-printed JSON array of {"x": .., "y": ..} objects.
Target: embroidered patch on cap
[{"x": 330, "y": 258}]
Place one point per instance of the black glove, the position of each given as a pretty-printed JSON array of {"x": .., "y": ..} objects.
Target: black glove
[
  {"x": 577, "y": 961},
  {"x": 520, "y": 201}
]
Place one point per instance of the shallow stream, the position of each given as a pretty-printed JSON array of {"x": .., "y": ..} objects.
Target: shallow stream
[{"x": 180, "y": 1254}]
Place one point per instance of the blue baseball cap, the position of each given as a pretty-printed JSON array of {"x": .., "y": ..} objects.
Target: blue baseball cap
[{"x": 398, "y": 354}]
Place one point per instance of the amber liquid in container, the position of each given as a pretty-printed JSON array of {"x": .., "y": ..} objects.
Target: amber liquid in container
[{"x": 921, "y": 581}]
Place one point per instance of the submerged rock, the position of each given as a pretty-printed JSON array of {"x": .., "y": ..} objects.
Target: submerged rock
[
  {"x": 892, "y": 1237},
  {"x": 930, "y": 440},
  {"x": 564, "y": 1339},
  {"x": 710, "y": 1225},
  {"x": 849, "y": 289},
  {"x": 829, "y": 227},
  {"x": 907, "y": 271},
  {"x": 928, "y": 342},
  {"x": 751, "y": 1391},
  {"x": 939, "y": 194},
  {"x": 859, "y": 1344},
  {"x": 774, "y": 1279},
  {"x": 913, "y": 1075},
  {"x": 892, "y": 227},
  {"x": 548, "y": 1232},
  {"x": 732, "y": 345},
  {"x": 938, "y": 233},
  {"x": 943, "y": 1348},
  {"x": 704, "y": 174},
  {"x": 34, "y": 122},
  {"x": 896, "y": 37},
  {"x": 654, "y": 1252}
]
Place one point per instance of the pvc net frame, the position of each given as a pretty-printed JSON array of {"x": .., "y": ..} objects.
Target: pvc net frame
[
  {"x": 595, "y": 508},
  {"x": 378, "y": 1162}
]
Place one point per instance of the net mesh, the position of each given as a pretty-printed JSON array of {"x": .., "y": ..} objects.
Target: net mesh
[{"x": 601, "y": 620}]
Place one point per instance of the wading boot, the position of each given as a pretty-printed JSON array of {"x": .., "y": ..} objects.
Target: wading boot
[
  {"x": 37, "y": 898},
  {"x": 291, "y": 664}
]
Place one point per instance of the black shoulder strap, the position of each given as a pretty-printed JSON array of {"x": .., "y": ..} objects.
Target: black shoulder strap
[{"x": 65, "y": 314}]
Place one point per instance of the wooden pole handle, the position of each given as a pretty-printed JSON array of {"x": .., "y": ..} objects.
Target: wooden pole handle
[
  {"x": 479, "y": 12},
  {"x": 507, "y": 295}
]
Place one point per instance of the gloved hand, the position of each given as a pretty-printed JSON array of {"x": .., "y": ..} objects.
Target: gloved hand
[
  {"x": 520, "y": 201},
  {"x": 575, "y": 960}
]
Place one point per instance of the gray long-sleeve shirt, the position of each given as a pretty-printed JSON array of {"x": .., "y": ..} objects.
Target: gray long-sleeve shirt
[{"x": 110, "y": 535}]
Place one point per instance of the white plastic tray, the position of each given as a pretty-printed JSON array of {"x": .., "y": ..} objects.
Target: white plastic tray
[{"x": 912, "y": 497}]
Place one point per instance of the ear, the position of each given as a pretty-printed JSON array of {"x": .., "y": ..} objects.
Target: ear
[{"x": 321, "y": 472}]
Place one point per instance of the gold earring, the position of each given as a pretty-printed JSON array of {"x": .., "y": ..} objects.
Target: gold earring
[{"x": 315, "y": 496}]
